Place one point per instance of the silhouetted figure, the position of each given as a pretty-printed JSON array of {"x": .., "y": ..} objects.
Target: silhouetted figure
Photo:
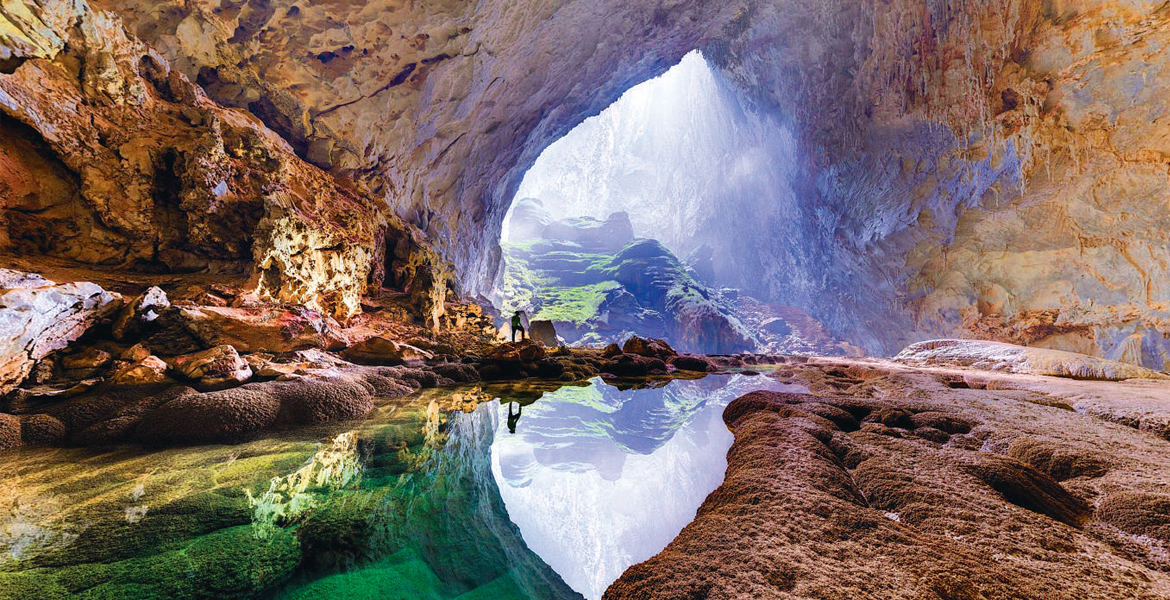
[
  {"x": 513, "y": 419},
  {"x": 518, "y": 319}
]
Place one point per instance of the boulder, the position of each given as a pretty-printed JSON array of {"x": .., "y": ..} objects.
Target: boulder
[
  {"x": 611, "y": 351},
  {"x": 214, "y": 369},
  {"x": 263, "y": 329},
  {"x": 649, "y": 347},
  {"x": 35, "y": 321},
  {"x": 1010, "y": 358},
  {"x": 528, "y": 220},
  {"x": 383, "y": 351},
  {"x": 545, "y": 333},
  {"x": 145, "y": 309},
  {"x": 151, "y": 370}
]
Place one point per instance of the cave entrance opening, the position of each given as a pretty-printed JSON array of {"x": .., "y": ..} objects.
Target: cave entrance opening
[{"x": 642, "y": 219}]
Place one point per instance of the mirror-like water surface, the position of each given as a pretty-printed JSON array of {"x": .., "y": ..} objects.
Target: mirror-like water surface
[{"x": 411, "y": 502}]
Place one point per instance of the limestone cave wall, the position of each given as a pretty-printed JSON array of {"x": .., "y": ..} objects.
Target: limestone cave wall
[{"x": 996, "y": 169}]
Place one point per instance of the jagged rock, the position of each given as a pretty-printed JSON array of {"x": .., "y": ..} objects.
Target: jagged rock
[
  {"x": 998, "y": 356},
  {"x": 216, "y": 368},
  {"x": 144, "y": 309},
  {"x": 35, "y": 321},
  {"x": 378, "y": 350},
  {"x": 151, "y": 370},
  {"x": 544, "y": 333}
]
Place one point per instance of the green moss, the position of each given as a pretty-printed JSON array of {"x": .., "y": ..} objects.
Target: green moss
[
  {"x": 30, "y": 585},
  {"x": 403, "y": 576},
  {"x": 576, "y": 305}
]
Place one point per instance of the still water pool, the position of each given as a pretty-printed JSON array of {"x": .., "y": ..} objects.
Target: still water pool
[{"x": 541, "y": 492}]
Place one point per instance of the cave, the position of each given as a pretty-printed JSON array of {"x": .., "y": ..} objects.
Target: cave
[{"x": 567, "y": 299}]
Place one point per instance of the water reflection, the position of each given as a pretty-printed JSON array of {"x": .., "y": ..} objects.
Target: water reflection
[
  {"x": 598, "y": 479},
  {"x": 418, "y": 500}
]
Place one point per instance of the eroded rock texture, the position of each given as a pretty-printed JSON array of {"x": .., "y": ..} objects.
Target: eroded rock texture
[
  {"x": 110, "y": 156},
  {"x": 908, "y": 483}
]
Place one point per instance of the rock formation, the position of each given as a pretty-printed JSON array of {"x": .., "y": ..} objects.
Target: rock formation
[
  {"x": 895, "y": 482},
  {"x": 959, "y": 165}
]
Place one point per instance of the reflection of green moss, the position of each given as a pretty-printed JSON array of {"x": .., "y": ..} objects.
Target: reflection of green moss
[
  {"x": 402, "y": 576},
  {"x": 243, "y": 471},
  {"x": 227, "y": 564},
  {"x": 575, "y": 305}
]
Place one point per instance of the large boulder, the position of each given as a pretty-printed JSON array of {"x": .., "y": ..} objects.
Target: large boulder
[
  {"x": 545, "y": 333},
  {"x": 263, "y": 328},
  {"x": 227, "y": 416},
  {"x": 42, "y": 318},
  {"x": 649, "y": 347},
  {"x": 150, "y": 370},
  {"x": 214, "y": 369}
]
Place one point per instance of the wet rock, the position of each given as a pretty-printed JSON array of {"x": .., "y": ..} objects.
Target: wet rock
[
  {"x": 544, "y": 333},
  {"x": 379, "y": 350},
  {"x": 143, "y": 310},
  {"x": 216, "y": 368},
  {"x": 35, "y": 321},
  {"x": 41, "y": 429}
]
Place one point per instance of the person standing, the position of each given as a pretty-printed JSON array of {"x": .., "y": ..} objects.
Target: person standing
[{"x": 518, "y": 325}]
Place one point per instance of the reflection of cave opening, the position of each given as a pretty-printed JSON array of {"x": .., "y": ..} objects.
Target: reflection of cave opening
[{"x": 651, "y": 218}]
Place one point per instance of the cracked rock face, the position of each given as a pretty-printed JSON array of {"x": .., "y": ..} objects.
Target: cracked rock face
[{"x": 38, "y": 317}]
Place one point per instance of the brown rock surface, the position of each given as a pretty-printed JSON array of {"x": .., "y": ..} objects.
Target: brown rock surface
[
  {"x": 216, "y": 368},
  {"x": 897, "y": 485}
]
